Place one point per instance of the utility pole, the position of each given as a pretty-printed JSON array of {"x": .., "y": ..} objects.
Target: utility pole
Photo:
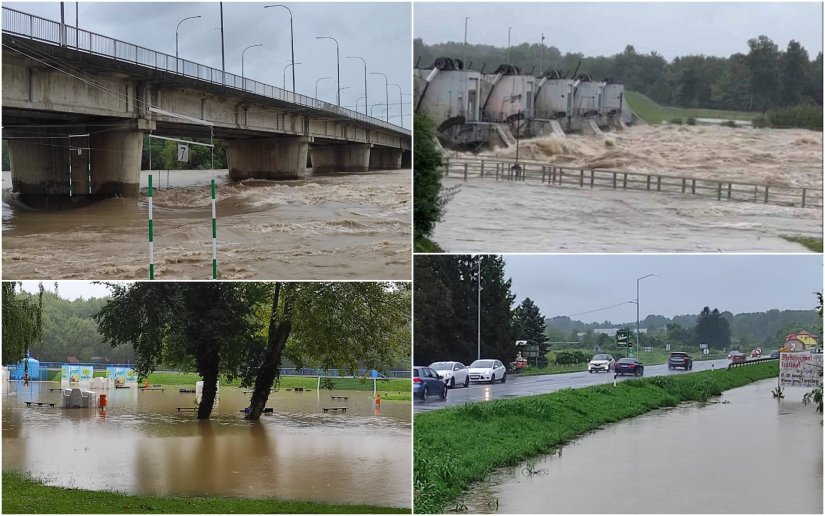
[{"x": 541, "y": 55}]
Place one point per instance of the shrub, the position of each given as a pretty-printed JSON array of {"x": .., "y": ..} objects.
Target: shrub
[
  {"x": 761, "y": 121},
  {"x": 690, "y": 121},
  {"x": 729, "y": 123},
  {"x": 804, "y": 117},
  {"x": 676, "y": 121}
]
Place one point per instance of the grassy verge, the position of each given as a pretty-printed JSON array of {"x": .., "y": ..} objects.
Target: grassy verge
[
  {"x": 812, "y": 243},
  {"x": 486, "y": 436},
  {"x": 652, "y": 113},
  {"x": 402, "y": 385},
  {"x": 425, "y": 245},
  {"x": 24, "y": 495},
  {"x": 657, "y": 356}
]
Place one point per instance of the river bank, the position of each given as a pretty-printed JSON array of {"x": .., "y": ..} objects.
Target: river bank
[
  {"x": 481, "y": 438},
  {"x": 25, "y": 495}
]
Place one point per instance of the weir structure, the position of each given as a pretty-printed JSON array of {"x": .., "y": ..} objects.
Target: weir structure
[
  {"x": 471, "y": 108},
  {"x": 76, "y": 107}
]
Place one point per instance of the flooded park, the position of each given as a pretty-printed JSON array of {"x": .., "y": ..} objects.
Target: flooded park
[
  {"x": 743, "y": 452},
  {"x": 341, "y": 226},
  {"x": 140, "y": 444}
]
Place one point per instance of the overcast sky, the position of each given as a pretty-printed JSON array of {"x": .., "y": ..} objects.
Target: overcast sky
[
  {"x": 71, "y": 289},
  {"x": 572, "y": 284},
  {"x": 378, "y": 32},
  {"x": 671, "y": 29}
]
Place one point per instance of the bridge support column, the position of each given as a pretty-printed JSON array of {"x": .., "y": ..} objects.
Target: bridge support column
[
  {"x": 353, "y": 157},
  {"x": 268, "y": 158},
  {"x": 406, "y": 159},
  {"x": 115, "y": 163},
  {"x": 385, "y": 159}
]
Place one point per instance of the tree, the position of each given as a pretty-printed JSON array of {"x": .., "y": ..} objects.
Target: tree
[
  {"x": 763, "y": 62},
  {"x": 342, "y": 326},
  {"x": 427, "y": 179},
  {"x": 205, "y": 326},
  {"x": 795, "y": 70},
  {"x": 22, "y": 321},
  {"x": 712, "y": 329},
  {"x": 530, "y": 326}
]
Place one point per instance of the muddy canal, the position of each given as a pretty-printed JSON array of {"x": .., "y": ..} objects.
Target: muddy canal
[
  {"x": 346, "y": 226},
  {"x": 143, "y": 445},
  {"x": 743, "y": 453}
]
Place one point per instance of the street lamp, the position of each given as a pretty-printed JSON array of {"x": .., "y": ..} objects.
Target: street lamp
[
  {"x": 509, "y": 29},
  {"x": 386, "y": 92},
  {"x": 242, "y": 56},
  {"x": 365, "y": 104},
  {"x": 291, "y": 41},
  {"x": 401, "y": 102},
  {"x": 479, "y": 307},
  {"x": 466, "y": 19},
  {"x": 316, "y": 85},
  {"x": 372, "y": 108},
  {"x": 176, "y": 39},
  {"x": 293, "y": 69},
  {"x": 638, "y": 335},
  {"x": 365, "y": 83},
  {"x": 337, "y": 61}
]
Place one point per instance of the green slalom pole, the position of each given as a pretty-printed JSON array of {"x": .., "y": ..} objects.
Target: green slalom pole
[
  {"x": 151, "y": 235},
  {"x": 214, "y": 236}
]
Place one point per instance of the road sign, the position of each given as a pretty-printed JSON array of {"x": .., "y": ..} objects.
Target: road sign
[
  {"x": 183, "y": 152},
  {"x": 667, "y": 348},
  {"x": 706, "y": 351},
  {"x": 521, "y": 343},
  {"x": 622, "y": 338}
]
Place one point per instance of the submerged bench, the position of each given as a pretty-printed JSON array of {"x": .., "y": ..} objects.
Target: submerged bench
[
  {"x": 38, "y": 404},
  {"x": 186, "y": 389},
  {"x": 335, "y": 409},
  {"x": 152, "y": 389},
  {"x": 340, "y": 397},
  {"x": 187, "y": 408}
]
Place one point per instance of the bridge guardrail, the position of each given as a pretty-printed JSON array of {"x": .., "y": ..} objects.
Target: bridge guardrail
[
  {"x": 50, "y": 31},
  {"x": 556, "y": 175}
]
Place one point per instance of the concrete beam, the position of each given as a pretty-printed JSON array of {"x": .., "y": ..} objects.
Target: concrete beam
[
  {"x": 268, "y": 158},
  {"x": 354, "y": 157},
  {"x": 385, "y": 159}
]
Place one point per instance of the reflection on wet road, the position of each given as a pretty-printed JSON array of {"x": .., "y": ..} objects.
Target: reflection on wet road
[
  {"x": 143, "y": 445},
  {"x": 528, "y": 385}
]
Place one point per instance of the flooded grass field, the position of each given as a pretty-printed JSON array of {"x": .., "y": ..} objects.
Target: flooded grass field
[
  {"x": 742, "y": 453},
  {"x": 490, "y": 216},
  {"x": 343, "y": 226},
  {"x": 143, "y": 445}
]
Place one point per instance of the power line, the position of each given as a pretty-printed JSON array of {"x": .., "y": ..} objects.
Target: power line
[{"x": 601, "y": 309}]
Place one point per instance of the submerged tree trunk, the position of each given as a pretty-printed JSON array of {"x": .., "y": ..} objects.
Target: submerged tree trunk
[
  {"x": 280, "y": 324},
  {"x": 210, "y": 390}
]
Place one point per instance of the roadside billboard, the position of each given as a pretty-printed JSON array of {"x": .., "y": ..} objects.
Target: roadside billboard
[{"x": 801, "y": 369}]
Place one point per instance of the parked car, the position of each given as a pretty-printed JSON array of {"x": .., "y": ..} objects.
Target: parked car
[
  {"x": 488, "y": 370},
  {"x": 427, "y": 382},
  {"x": 629, "y": 366},
  {"x": 736, "y": 356},
  {"x": 601, "y": 362},
  {"x": 756, "y": 353},
  {"x": 775, "y": 353},
  {"x": 452, "y": 373},
  {"x": 679, "y": 359}
]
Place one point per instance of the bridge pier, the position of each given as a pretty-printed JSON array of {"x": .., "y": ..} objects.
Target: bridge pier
[
  {"x": 268, "y": 158},
  {"x": 385, "y": 158},
  {"x": 51, "y": 164},
  {"x": 354, "y": 157}
]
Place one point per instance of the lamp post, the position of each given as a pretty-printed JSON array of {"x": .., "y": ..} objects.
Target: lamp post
[
  {"x": 337, "y": 61},
  {"x": 386, "y": 92},
  {"x": 638, "y": 335},
  {"x": 365, "y": 104},
  {"x": 365, "y": 83},
  {"x": 291, "y": 40},
  {"x": 287, "y": 66},
  {"x": 401, "y": 102},
  {"x": 316, "y": 85},
  {"x": 177, "y": 29},
  {"x": 242, "y": 57},
  {"x": 466, "y": 19},
  {"x": 479, "y": 307},
  {"x": 372, "y": 108},
  {"x": 509, "y": 29}
]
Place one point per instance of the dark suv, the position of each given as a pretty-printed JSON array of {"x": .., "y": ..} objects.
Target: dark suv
[{"x": 679, "y": 359}]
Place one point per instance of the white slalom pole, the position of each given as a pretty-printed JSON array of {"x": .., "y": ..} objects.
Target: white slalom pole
[
  {"x": 214, "y": 236},
  {"x": 151, "y": 236}
]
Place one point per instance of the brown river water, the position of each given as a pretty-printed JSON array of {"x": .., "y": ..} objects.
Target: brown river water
[
  {"x": 351, "y": 226},
  {"x": 502, "y": 216},
  {"x": 743, "y": 453},
  {"x": 143, "y": 445}
]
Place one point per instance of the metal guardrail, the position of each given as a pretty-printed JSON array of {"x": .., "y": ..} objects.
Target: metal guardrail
[
  {"x": 751, "y": 362},
  {"x": 555, "y": 175},
  {"x": 50, "y": 31}
]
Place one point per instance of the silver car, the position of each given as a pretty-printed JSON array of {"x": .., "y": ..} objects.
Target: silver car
[{"x": 453, "y": 373}]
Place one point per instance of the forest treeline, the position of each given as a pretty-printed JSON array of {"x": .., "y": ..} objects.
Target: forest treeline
[{"x": 766, "y": 77}]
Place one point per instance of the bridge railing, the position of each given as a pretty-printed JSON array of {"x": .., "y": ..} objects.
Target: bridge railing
[{"x": 50, "y": 31}]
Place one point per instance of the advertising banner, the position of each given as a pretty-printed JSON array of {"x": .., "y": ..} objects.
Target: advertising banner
[{"x": 801, "y": 369}]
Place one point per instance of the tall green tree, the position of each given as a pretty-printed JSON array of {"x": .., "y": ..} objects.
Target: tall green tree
[
  {"x": 530, "y": 325},
  {"x": 795, "y": 66},
  {"x": 22, "y": 321},
  {"x": 712, "y": 329},
  {"x": 763, "y": 62},
  {"x": 202, "y": 325},
  {"x": 427, "y": 178}
]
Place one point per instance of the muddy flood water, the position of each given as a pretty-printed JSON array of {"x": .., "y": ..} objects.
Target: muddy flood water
[
  {"x": 346, "y": 226},
  {"x": 743, "y": 453},
  {"x": 143, "y": 445},
  {"x": 490, "y": 216}
]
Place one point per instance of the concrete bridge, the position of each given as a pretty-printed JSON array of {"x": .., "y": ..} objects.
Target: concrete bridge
[{"x": 76, "y": 106}]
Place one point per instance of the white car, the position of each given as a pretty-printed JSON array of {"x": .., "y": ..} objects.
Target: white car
[
  {"x": 488, "y": 370},
  {"x": 601, "y": 362},
  {"x": 453, "y": 373}
]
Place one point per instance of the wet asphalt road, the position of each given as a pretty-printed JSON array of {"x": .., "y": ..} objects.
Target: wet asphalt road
[{"x": 517, "y": 386}]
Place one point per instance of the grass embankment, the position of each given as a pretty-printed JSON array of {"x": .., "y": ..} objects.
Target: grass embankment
[
  {"x": 652, "y": 113},
  {"x": 456, "y": 446},
  {"x": 425, "y": 245},
  {"x": 812, "y": 243},
  {"x": 24, "y": 495}
]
